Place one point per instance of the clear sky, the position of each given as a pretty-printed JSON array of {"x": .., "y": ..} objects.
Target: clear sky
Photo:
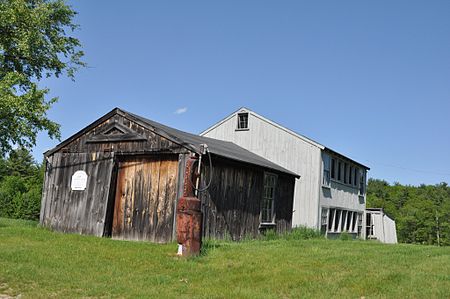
[{"x": 370, "y": 79}]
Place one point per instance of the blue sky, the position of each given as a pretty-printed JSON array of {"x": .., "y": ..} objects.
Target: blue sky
[{"x": 370, "y": 79}]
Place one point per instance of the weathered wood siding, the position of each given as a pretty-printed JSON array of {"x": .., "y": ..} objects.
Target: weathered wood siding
[
  {"x": 66, "y": 210},
  {"x": 145, "y": 198},
  {"x": 89, "y": 141},
  {"x": 232, "y": 204},
  {"x": 285, "y": 149}
]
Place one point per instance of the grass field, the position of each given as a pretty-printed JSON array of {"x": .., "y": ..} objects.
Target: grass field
[{"x": 37, "y": 263}]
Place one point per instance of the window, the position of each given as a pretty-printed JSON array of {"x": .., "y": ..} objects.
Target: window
[
  {"x": 242, "y": 121},
  {"x": 343, "y": 220},
  {"x": 350, "y": 175},
  {"x": 362, "y": 182},
  {"x": 360, "y": 220},
  {"x": 354, "y": 176},
  {"x": 337, "y": 219},
  {"x": 326, "y": 170},
  {"x": 339, "y": 170},
  {"x": 331, "y": 219},
  {"x": 355, "y": 216},
  {"x": 333, "y": 168},
  {"x": 369, "y": 226},
  {"x": 324, "y": 218},
  {"x": 349, "y": 221},
  {"x": 345, "y": 173},
  {"x": 267, "y": 209}
]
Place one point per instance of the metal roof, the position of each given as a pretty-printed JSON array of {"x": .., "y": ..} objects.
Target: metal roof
[{"x": 190, "y": 141}]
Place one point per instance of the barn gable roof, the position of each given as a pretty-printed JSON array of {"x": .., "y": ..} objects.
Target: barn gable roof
[{"x": 190, "y": 141}]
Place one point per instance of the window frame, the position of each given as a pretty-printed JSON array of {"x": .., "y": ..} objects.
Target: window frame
[
  {"x": 333, "y": 168},
  {"x": 326, "y": 170},
  {"x": 362, "y": 183},
  {"x": 264, "y": 199},
  {"x": 238, "y": 125}
]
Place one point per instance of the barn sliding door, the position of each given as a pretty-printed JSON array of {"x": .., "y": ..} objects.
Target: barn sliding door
[
  {"x": 77, "y": 210},
  {"x": 145, "y": 199}
]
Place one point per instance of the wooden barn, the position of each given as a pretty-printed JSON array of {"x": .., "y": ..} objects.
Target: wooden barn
[{"x": 121, "y": 176}]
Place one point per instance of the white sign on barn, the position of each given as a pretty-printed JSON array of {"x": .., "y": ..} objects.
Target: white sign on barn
[{"x": 79, "y": 180}]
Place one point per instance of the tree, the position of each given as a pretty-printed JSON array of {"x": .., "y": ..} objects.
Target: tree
[
  {"x": 34, "y": 42},
  {"x": 422, "y": 214},
  {"x": 21, "y": 186}
]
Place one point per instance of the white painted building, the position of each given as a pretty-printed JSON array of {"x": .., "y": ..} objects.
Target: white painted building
[
  {"x": 331, "y": 192},
  {"x": 380, "y": 226}
]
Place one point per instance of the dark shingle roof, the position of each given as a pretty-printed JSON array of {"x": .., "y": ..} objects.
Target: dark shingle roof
[{"x": 190, "y": 141}]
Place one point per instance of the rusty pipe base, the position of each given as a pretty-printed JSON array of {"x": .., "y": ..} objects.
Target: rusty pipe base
[{"x": 189, "y": 226}]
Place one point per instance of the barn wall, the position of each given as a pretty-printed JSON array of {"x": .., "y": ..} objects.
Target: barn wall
[
  {"x": 231, "y": 205},
  {"x": 66, "y": 210},
  {"x": 286, "y": 150}
]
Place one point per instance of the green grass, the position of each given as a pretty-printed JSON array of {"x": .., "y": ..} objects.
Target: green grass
[{"x": 37, "y": 263}]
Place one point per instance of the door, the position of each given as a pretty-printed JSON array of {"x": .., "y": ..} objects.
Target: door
[
  {"x": 78, "y": 209},
  {"x": 145, "y": 199}
]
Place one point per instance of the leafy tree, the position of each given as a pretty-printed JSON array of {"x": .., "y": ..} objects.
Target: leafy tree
[
  {"x": 34, "y": 42},
  {"x": 422, "y": 214},
  {"x": 21, "y": 186}
]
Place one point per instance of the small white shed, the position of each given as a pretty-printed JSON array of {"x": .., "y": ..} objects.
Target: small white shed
[{"x": 380, "y": 226}]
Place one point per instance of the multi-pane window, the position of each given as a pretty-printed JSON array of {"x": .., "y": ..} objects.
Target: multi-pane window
[
  {"x": 267, "y": 209},
  {"x": 242, "y": 121},
  {"x": 326, "y": 170},
  {"x": 333, "y": 168},
  {"x": 338, "y": 221},
  {"x": 350, "y": 175},
  {"x": 345, "y": 173},
  {"x": 362, "y": 182},
  {"x": 339, "y": 170}
]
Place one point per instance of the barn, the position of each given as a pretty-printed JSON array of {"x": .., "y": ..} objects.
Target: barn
[{"x": 121, "y": 176}]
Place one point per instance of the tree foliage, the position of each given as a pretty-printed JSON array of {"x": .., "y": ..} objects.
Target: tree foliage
[
  {"x": 21, "y": 181},
  {"x": 34, "y": 43},
  {"x": 422, "y": 214}
]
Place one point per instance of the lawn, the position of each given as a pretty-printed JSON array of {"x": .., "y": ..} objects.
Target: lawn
[{"x": 37, "y": 263}]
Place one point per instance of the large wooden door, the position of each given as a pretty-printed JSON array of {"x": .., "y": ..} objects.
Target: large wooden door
[
  {"x": 145, "y": 199},
  {"x": 82, "y": 210}
]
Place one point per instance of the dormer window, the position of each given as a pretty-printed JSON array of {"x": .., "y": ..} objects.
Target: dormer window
[{"x": 242, "y": 121}]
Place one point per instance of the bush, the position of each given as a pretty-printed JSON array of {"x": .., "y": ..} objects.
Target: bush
[
  {"x": 303, "y": 233},
  {"x": 20, "y": 186},
  {"x": 20, "y": 198},
  {"x": 297, "y": 233}
]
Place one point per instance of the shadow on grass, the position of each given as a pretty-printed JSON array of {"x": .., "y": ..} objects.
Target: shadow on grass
[{"x": 212, "y": 245}]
